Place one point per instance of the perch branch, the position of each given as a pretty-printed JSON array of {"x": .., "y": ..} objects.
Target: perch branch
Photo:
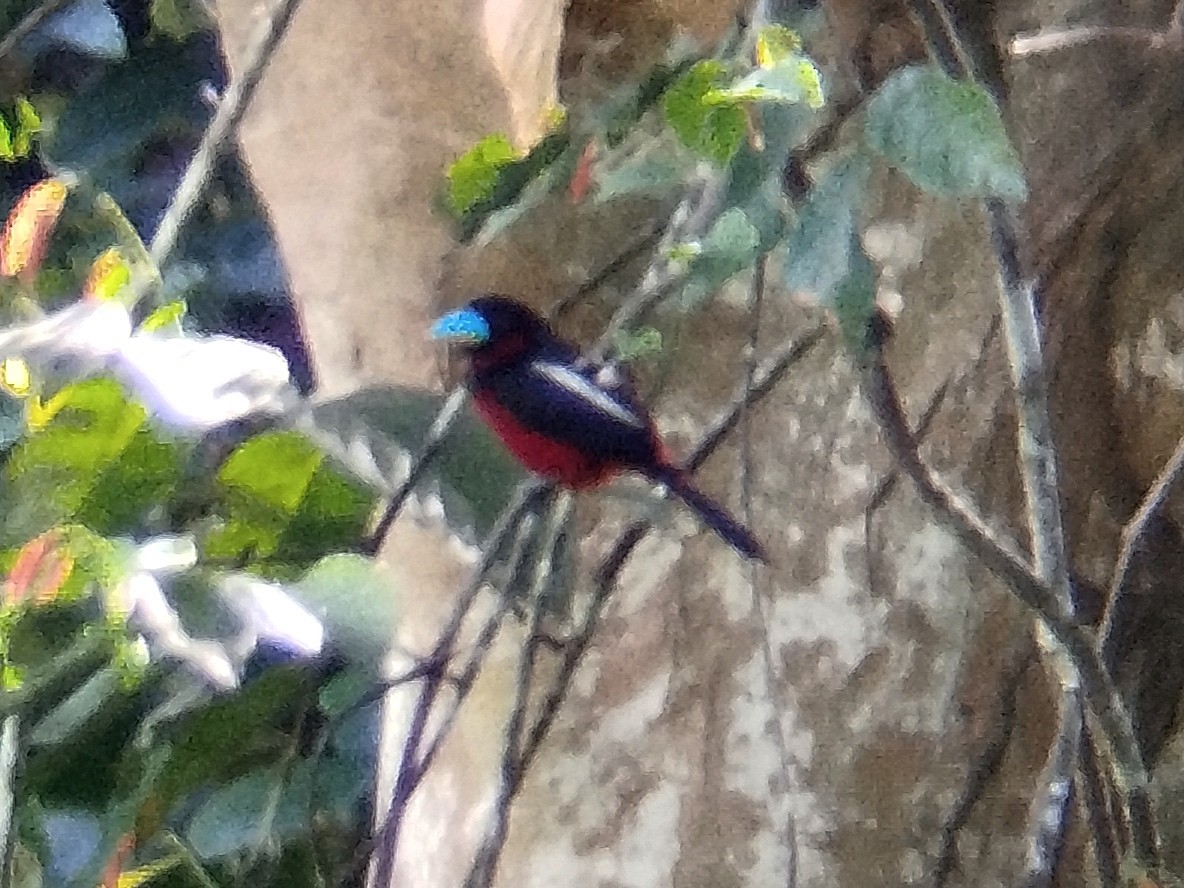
[
  {"x": 1049, "y": 40},
  {"x": 1132, "y": 536},
  {"x": 231, "y": 108},
  {"x": 1003, "y": 559},
  {"x": 29, "y": 23}
]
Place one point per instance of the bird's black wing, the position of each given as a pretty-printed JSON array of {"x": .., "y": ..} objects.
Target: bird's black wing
[{"x": 592, "y": 408}]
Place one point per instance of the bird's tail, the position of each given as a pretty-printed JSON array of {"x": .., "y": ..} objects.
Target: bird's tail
[{"x": 712, "y": 513}]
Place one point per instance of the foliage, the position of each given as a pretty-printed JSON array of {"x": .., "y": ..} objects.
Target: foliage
[
  {"x": 747, "y": 113},
  {"x": 189, "y": 639},
  {"x": 190, "y": 648}
]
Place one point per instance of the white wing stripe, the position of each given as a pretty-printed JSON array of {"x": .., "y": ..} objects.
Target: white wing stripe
[{"x": 580, "y": 386}]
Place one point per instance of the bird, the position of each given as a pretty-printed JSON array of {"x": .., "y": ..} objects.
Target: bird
[{"x": 569, "y": 420}]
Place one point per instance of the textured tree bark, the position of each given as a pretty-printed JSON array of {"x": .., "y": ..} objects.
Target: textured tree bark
[{"x": 897, "y": 737}]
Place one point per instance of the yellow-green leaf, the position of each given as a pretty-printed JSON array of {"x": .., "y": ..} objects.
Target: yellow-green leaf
[
  {"x": 776, "y": 43},
  {"x": 108, "y": 275},
  {"x": 28, "y": 124},
  {"x": 473, "y": 176},
  {"x": 168, "y": 315},
  {"x": 711, "y": 129}
]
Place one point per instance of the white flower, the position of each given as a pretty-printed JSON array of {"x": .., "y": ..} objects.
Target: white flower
[
  {"x": 190, "y": 383},
  {"x": 197, "y": 384},
  {"x": 164, "y": 555},
  {"x": 149, "y": 611},
  {"x": 271, "y": 614},
  {"x": 86, "y": 331},
  {"x": 140, "y": 597}
]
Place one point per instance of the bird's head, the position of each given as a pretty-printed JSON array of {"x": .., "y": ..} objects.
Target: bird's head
[{"x": 492, "y": 324}]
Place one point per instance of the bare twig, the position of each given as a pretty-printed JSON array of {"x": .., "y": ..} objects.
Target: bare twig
[
  {"x": 1132, "y": 535},
  {"x": 984, "y": 770},
  {"x": 691, "y": 220},
  {"x": 1058, "y": 39},
  {"x": 410, "y": 771},
  {"x": 1170, "y": 38},
  {"x": 1038, "y": 472},
  {"x": 1095, "y": 795},
  {"x": 756, "y": 298},
  {"x": 1038, "y": 465},
  {"x": 28, "y": 24},
  {"x": 442, "y": 425},
  {"x": 9, "y": 764},
  {"x": 231, "y": 108},
  {"x": 485, "y": 862},
  {"x": 1003, "y": 558}
]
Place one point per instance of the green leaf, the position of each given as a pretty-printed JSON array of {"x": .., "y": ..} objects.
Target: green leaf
[
  {"x": 84, "y": 428},
  {"x": 775, "y": 44},
  {"x": 355, "y": 602},
  {"x": 236, "y": 733},
  {"x": 274, "y": 468},
  {"x": 710, "y": 130},
  {"x": 855, "y": 300},
  {"x": 795, "y": 80},
  {"x": 284, "y": 501},
  {"x": 28, "y": 124},
  {"x": 820, "y": 249},
  {"x": 520, "y": 185},
  {"x": 237, "y": 817},
  {"x": 144, "y": 475},
  {"x": 473, "y": 176},
  {"x": 6, "y": 149},
  {"x": 168, "y": 315},
  {"x": 945, "y": 135},
  {"x": 631, "y": 345},
  {"x": 654, "y": 169},
  {"x": 729, "y": 248}
]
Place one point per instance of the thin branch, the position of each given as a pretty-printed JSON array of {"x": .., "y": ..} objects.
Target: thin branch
[
  {"x": 442, "y": 425},
  {"x": 1132, "y": 536},
  {"x": 645, "y": 244},
  {"x": 756, "y": 300},
  {"x": 1047, "y": 40},
  {"x": 486, "y": 860},
  {"x": 691, "y": 220},
  {"x": 1038, "y": 472},
  {"x": 231, "y": 108},
  {"x": 10, "y": 757},
  {"x": 29, "y": 23},
  {"x": 1097, "y": 810},
  {"x": 409, "y": 773},
  {"x": 1057, "y": 39},
  {"x": 985, "y": 769},
  {"x": 1053, "y": 806},
  {"x": 1003, "y": 559}
]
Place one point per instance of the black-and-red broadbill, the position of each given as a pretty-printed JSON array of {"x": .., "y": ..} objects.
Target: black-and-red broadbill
[{"x": 566, "y": 420}]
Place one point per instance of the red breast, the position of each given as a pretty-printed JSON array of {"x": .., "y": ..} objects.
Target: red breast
[{"x": 550, "y": 459}]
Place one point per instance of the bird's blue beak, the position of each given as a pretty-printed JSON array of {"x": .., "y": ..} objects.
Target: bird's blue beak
[{"x": 464, "y": 326}]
